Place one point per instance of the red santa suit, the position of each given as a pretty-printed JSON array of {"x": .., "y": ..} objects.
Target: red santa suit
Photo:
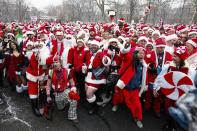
[
  {"x": 57, "y": 49},
  {"x": 130, "y": 97},
  {"x": 96, "y": 61},
  {"x": 166, "y": 58},
  {"x": 34, "y": 73}
]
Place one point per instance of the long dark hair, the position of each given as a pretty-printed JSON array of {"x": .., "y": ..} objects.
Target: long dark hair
[
  {"x": 135, "y": 58},
  {"x": 17, "y": 47}
]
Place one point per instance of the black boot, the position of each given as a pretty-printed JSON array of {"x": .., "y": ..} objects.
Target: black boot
[
  {"x": 35, "y": 109},
  {"x": 93, "y": 108}
]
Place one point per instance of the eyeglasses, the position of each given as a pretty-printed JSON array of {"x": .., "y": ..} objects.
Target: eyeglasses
[{"x": 68, "y": 38}]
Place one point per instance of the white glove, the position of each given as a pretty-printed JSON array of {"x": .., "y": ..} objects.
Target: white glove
[
  {"x": 106, "y": 61},
  {"x": 84, "y": 69},
  {"x": 49, "y": 99}
]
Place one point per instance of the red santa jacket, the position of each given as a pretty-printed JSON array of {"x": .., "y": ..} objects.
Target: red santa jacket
[
  {"x": 80, "y": 57},
  {"x": 96, "y": 61},
  {"x": 59, "y": 80},
  {"x": 115, "y": 61},
  {"x": 127, "y": 72},
  {"x": 34, "y": 71},
  {"x": 153, "y": 58}
]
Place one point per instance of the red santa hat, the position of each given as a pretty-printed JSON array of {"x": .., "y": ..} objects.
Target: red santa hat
[
  {"x": 156, "y": 32},
  {"x": 171, "y": 37},
  {"x": 142, "y": 38},
  {"x": 181, "y": 52},
  {"x": 160, "y": 42},
  {"x": 192, "y": 31},
  {"x": 150, "y": 42},
  {"x": 122, "y": 20},
  {"x": 95, "y": 42},
  {"x": 182, "y": 28},
  {"x": 193, "y": 42},
  {"x": 113, "y": 40},
  {"x": 29, "y": 32}
]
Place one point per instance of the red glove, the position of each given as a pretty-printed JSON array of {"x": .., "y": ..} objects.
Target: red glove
[{"x": 74, "y": 95}]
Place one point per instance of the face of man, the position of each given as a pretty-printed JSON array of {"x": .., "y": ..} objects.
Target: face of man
[
  {"x": 160, "y": 49},
  {"x": 59, "y": 37},
  {"x": 142, "y": 42}
]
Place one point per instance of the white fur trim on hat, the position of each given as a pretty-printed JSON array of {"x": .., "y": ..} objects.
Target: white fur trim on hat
[
  {"x": 113, "y": 40},
  {"x": 95, "y": 42},
  {"x": 59, "y": 33},
  {"x": 183, "y": 30},
  {"x": 192, "y": 33},
  {"x": 142, "y": 38},
  {"x": 192, "y": 43},
  {"x": 30, "y": 43},
  {"x": 30, "y": 33},
  {"x": 171, "y": 37},
  {"x": 91, "y": 100},
  {"x": 156, "y": 32}
]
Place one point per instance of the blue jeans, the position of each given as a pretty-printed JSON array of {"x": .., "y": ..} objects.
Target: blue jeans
[{"x": 179, "y": 117}]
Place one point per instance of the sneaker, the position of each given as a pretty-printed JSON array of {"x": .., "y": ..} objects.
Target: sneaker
[
  {"x": 74, "y": 120},
  {"x": 115, "y": 108},
  {"x": 139, "y": 124}
]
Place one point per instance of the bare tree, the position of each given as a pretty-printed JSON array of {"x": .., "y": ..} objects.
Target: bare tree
[{"x": 195, "y": 14}]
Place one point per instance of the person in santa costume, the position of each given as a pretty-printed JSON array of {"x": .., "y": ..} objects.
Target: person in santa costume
[
  {"x": 171, "y": 40},
  {"x": 95, "y": 74},
  {"x": 64, "y": 90},
  {"x": 35, "y": 74},
  {"x": 132, "y": 82},
  {"x": 157, "y": 59},
  {"x": 77, "y": 60},
  {"x": 178, "y": 64},
  {"x": 113, "y": 53},
  {"x": 16, "y": 64},
  {"x": 191, "y": 45},
  {"x": 57, "y": 47}
]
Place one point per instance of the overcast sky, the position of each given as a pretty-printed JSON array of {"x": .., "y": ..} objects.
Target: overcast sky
[{"x": 41, "y": 4}]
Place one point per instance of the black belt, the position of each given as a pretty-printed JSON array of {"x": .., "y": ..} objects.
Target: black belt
[{"x": 89, "y": 70}]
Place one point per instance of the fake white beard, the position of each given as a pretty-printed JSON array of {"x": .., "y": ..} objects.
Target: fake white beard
[{"x": 29, "y": 54}]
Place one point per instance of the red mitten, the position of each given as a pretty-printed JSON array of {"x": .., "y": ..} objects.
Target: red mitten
[{"x": 74, "y": 95}]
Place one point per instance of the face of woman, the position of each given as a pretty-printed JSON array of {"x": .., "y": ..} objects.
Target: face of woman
[
  {"x": 176, "y": 59},
  {"x": 80, "y": 44},
  {"x": 13, "y": 46},
  {"x": 140, "y": 54}
]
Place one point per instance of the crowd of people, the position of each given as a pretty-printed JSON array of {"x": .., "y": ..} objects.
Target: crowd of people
[{"x": 100, "y": 62}]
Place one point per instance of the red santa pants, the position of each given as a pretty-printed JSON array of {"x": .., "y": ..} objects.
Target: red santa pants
[
  {"x": 32, "y": 89},
  {"x": 168, "y": 103},
  {"x": 156, "y": 102},
  {"x": 131, "y": 99}
]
